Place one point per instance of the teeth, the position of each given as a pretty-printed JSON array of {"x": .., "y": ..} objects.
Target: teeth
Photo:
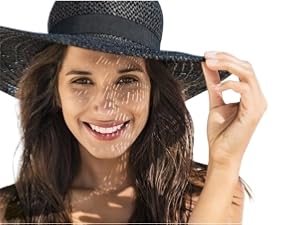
[{"x": 106, "y": 130}]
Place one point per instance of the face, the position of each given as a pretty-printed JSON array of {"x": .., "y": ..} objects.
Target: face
[{"x": 104, "y": 99}]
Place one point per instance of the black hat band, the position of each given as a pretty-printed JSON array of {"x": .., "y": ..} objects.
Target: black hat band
[{"x": 107, "y": 24}]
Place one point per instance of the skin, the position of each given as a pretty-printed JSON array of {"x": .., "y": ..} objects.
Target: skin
[
  {"x": 105, "y": 177},
  {"x": 227, "y": 144}
]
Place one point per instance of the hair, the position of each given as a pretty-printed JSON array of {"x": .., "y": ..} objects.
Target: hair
[{"x": 162, "y": 155}]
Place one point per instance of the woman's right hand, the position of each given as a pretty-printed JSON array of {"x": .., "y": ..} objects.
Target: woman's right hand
[{"x": 230, "y": 126}]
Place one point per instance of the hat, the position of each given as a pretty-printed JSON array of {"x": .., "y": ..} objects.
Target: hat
[{"x": 131, "y": 28}]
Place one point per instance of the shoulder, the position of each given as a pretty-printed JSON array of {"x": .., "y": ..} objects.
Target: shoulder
[
  {"x": 2, "y": 212},
  {"x": 6, "y": 195},
  {"x": 7, "y": 192},
  {"x": 197, "y": 177},
  {"x": 237, "y": 203},
  {"x": 196, "y": 183},
  {"x": 238, "y": 198}
]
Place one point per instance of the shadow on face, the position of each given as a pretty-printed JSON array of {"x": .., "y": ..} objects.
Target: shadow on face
[{"x": 104, "y": 99}]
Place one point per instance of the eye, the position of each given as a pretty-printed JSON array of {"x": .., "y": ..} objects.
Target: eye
[
  {"x": 83, "y": 81},
  {"x": 127, "y": 80}
]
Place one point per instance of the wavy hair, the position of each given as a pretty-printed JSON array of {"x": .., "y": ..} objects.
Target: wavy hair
[{"x": 162, "y": 156}]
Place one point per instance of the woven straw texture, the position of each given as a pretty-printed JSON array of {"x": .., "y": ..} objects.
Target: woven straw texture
[{"x": 18, "y": 47}]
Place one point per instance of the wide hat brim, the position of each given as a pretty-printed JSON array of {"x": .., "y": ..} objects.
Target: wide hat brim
[{"x": 18, "y": 47}]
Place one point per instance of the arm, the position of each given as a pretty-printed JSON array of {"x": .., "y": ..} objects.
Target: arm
[
  {"x": 222, "y": 197},
  {"x": 229, "y": 130}
]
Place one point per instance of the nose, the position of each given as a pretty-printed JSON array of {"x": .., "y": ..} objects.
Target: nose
[{"x": 104, "y": 101}]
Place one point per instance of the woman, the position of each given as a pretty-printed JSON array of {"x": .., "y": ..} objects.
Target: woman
[{"x": 107, "y": 136}]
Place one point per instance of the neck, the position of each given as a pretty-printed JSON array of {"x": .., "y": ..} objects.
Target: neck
[{"x": 103, "y": 175}]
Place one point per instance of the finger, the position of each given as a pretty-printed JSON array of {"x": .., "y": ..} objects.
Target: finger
[
  {"x": 228, "y": 57},
  {"x": 252, "y": 101},
  {"x": 212, "y": 78},
  {"x": 238, "y": 87},
  {"x": 247, "y": 99},
  {"x": 224, "y": 61}
]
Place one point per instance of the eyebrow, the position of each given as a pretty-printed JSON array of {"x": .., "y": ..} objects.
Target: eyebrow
[
  {"x": 131, "y": 69},
  {"x": 127, "y": 70},
  {"x": 79, "y": 72}
]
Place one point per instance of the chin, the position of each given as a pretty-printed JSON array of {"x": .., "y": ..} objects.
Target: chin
[{"x": 105, "y": 152}]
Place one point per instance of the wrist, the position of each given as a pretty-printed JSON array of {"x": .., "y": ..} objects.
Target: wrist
[
  {"x": 223, "y": 170},
  {"x": 225, "y": 162}
]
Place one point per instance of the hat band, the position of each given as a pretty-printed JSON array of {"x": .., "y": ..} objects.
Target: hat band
[{"x": 107, "y": 24}]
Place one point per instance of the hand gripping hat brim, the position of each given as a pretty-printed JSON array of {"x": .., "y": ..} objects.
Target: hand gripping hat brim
[{"x": 131, "y": 28}]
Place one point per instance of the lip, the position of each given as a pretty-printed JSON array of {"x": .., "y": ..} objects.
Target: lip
[
  {"x": 106, "y": 137},
  {"x": 107, "y": 124}
]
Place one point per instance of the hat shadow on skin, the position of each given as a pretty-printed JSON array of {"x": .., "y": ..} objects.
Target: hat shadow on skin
[
  {"x": 91, "y": 93},
  {"x": 168, "y": 135},
  {"x": 100, "y": 207}
]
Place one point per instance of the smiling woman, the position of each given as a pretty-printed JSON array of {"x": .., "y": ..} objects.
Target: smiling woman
[
  {"x": 102, "y": 167},
  {"x": 106, "y": 133},
  {"x": 99, "y": 99}
]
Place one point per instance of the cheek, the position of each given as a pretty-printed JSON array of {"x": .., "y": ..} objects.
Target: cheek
[
  {"x": 73, "y": 101},
  {"x": 80, "y": 95},
  {"x": 137, "y": 94},
  {"x": 135, "y": 97},
  {"x": 138, "y": 102}
]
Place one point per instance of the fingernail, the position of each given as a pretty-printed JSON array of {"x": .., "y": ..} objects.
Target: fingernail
[
  {"x": 210, "y": 54},
  {"x": 212, "y": 62}
]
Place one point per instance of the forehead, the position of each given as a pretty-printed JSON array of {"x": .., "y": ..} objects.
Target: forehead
[{"x": 76, "y": 55}]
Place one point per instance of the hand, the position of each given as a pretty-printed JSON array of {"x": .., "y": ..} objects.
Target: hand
[{"x": 230, "y": 126}]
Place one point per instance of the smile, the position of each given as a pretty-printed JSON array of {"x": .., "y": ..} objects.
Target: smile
[
  {"x": 106, "y": 130},
  {"x": 106, "y": 133}
]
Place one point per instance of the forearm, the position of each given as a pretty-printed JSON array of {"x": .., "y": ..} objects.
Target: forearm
[{"x": 215, "y": 200}]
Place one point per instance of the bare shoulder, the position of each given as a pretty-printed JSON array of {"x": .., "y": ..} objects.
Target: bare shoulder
[
  {"x": 197, "y": 180},
  {"x": 2, "y": 209},
  {"x": 239, "y": 194},
  {"x": 5, "y": 194},
  {"x": 237, "y": 205},
  {"x": 2, "y": 213},
  {"x": 237, "y": 198}
]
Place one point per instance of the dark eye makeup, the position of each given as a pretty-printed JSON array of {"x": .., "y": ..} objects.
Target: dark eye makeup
[
  {"x": 83, "y": 81},
  {"x": 127, "y": 80},
  {"x": 123, "y": 80}
]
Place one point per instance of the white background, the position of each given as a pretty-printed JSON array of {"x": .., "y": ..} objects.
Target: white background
[{"x": 266, "y": 33}]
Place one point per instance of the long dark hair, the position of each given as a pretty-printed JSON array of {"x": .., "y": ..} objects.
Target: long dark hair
[{"x": 162, "y": 156}]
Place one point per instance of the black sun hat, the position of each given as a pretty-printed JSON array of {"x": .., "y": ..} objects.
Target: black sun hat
[{"x": 131, "y": 28}]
